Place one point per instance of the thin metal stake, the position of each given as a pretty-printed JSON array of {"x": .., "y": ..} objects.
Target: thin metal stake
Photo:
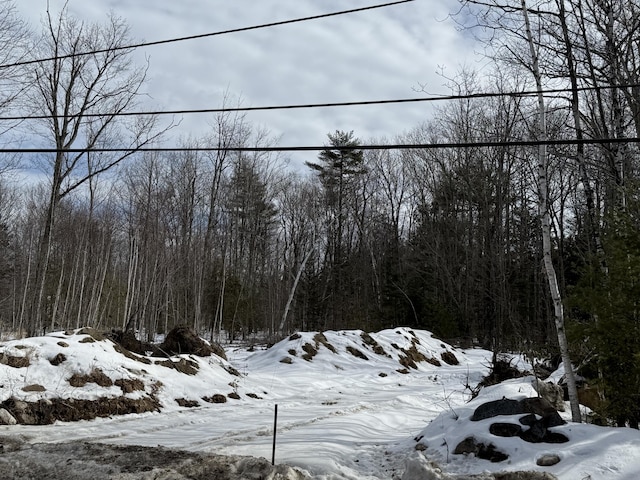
[{"x": 275, "y": 426}]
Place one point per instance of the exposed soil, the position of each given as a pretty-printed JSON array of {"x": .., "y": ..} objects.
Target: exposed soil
[
  {"x": 44, "y": 412},
  {"x": 86, "y": 461}
]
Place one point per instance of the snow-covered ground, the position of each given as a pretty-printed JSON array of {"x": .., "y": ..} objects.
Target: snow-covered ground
[{"x": 350, "y": 406}]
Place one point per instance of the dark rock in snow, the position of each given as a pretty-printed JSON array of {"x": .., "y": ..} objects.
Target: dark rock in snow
[
  {"x": 492, "y": 409},
  {"x": 544, "y": 409},
  {"x": 528, "y": 420},
  {"x": 547, "y": 460},
  {"x": 505, "y": 429},
  {"x": 480, "y": 450}
]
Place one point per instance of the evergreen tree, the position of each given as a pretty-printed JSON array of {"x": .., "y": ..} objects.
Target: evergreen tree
[
  {"x": 607, "y": 304},
  {"x": 338, "y": 170}
]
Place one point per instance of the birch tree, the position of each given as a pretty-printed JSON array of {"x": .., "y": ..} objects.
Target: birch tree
[
  {"x": 545, "y": 220},
  {"x": 523, "y": 48}
]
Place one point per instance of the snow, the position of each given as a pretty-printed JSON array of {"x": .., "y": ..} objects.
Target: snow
[{"x": 398, "y": 414}]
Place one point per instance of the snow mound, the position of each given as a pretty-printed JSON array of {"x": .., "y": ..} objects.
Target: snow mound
[
  {"x": 455, "y": 426},
  {"x": 393, "y": 351},
  {"x": 81, "y": 374}
]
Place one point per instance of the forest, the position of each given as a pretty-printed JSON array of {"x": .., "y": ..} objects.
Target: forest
[{"x": 446, "y": 234}]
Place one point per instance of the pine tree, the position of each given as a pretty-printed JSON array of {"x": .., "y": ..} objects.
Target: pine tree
[{"x": 341, "y": 164}]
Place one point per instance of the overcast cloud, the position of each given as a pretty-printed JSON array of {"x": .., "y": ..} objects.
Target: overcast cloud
[{"x": 386, "y": 53}]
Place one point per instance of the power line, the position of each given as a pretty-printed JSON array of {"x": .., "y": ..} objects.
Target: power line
[
  {"x": 397, "y": 146},
  {"x": 205, "y": 35},
  {"x": 470, "y": 96}
]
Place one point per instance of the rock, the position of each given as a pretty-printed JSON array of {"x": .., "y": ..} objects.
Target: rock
[
  {"x": 6, "y": 418},
  {"x": 528, "y": 420},
  {"x": 20, "y": 411},
  {"x": 544, "y": 409},
  {"x": 505, "y": 429},
  {"x": 535, "y": 433},
  {"x": 480, "y": 450},
  {"x": 547, "y": 460},
  {"x": 555, "y": 437},
  {"x": 551, "y": 392},
  {"x": 492, "y": 409},
  {"x": 466, "y": 446}
]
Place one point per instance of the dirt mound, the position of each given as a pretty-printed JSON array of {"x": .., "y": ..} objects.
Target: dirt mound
[
  {"x": 183, "y": 339},
  {"x": 128, "y": 341},
  {"x": 45, "y": 412}
]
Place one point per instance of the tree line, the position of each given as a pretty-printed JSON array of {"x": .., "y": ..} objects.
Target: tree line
[{"x": 441, "y": 238}]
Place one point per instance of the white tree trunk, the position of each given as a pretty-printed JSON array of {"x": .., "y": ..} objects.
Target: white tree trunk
[
  {"x": 543, "y": 207},
  {"x": 292, "y": 292}
]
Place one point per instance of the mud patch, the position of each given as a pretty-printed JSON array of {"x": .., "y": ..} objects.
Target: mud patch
[
  {"x": 188, "y": 367},
  {"x": 92, "y": 333},
  {"x": 183, "y": 402},
  {"x": 375, "y": 346},
  {"x": 130, "y": 355},
  {"x": 96, "y": 376},
  {"x": 34, "y": 388},
  {"x": 129, "y": 385},
  {"x": 217, "y": 398},
  {"x": 310, "y": 352},
  {"x": 356, "y": 353},
  {"x": 184, "y": 339},
  {"x": 58, "y": 359},
  {"x": 14, "y": 362},
  {"x": 320, "y": 339},
  {"x": 449, "y": 358}
]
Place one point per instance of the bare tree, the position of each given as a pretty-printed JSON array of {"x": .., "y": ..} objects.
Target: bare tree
[{"x": 88, "y": 81}]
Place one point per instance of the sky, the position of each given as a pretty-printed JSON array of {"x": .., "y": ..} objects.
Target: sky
[
  {"x": 353, "y": 409},
  {"x": 396, "y": 52}
]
